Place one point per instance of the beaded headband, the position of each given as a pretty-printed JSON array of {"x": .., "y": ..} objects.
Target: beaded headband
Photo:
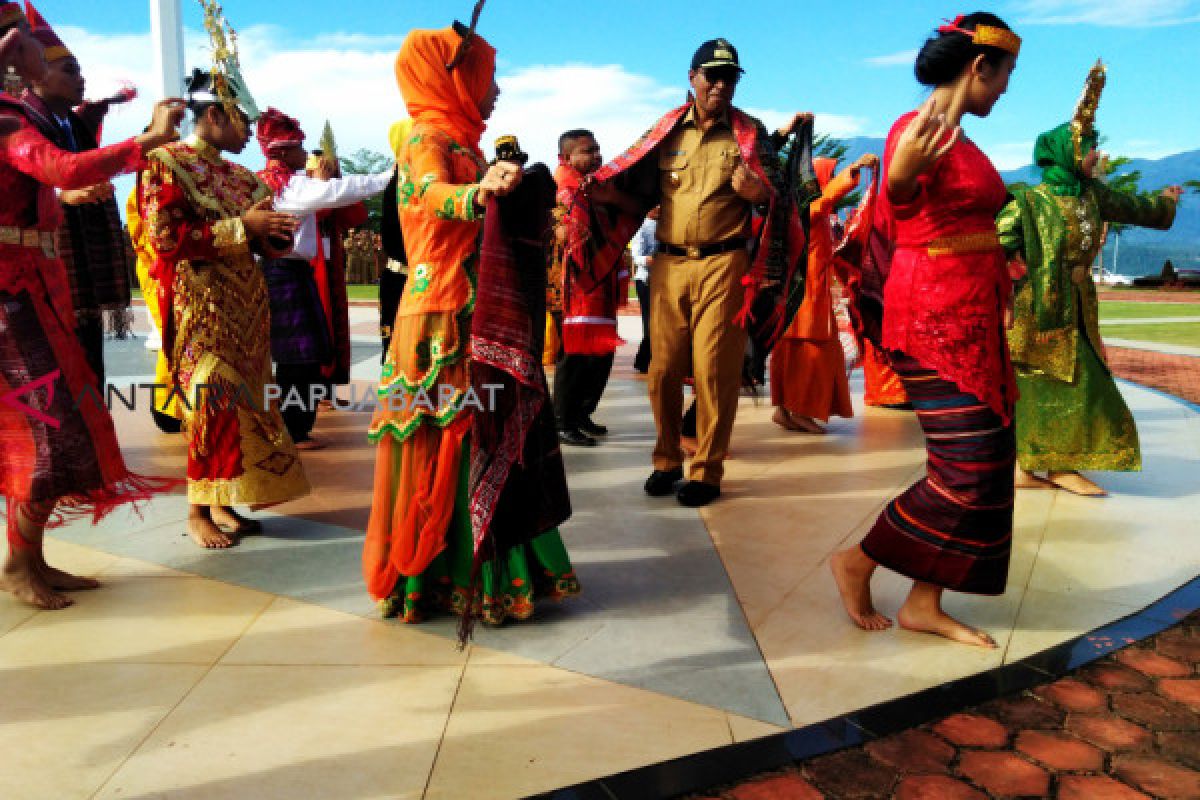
[{"x": 985, "y": 35}]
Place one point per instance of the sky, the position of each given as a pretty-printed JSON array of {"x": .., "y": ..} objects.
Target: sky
[{"x": 616, "y": 65}]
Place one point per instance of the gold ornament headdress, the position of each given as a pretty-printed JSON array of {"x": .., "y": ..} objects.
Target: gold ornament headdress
[
  {"x": 985, "y": 35},
  {"x": 1083, "y": 123},
  {"x": 228, "y": 85}
]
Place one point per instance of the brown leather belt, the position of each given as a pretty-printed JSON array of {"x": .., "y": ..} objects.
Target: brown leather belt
[
  {"x": 36, "y": 240},
  {"x": 704, "y": 250}
]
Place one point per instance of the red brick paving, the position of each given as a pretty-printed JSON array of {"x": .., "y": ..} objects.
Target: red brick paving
[
  {"x": 1110, "y": 732},
  {"x": 1107, "y": 732},
  {"x": 1096, "y": 787},
  {"x": 1186, "y": 691},
  {"x": 936, "y": 787},
  {"x": 913, "y": 751},
  {"x": 1004, "y": 774},
  {"x": 1158, "y": 777},
  {"x": 1173, "y": 374},
  {"x": 1072, "y": 695}
]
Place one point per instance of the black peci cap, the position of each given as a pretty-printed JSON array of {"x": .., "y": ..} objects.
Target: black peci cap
[{"x": 716, "y": 53}]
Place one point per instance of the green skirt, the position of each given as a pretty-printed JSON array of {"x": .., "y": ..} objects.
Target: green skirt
[
  {"x": 1081, "y": 425},
  {"x": 539, "y": 569}
]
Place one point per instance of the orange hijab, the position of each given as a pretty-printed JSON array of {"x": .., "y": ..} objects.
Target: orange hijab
[{"x": 448, "y": 101}]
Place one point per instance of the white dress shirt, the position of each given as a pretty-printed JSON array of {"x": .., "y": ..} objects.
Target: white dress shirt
[
  {"x": 644, "y": 247},
  {"x": 305, "y": 196}
]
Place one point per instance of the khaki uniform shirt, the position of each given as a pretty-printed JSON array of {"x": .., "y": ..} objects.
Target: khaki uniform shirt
[{"x": 699, "y": 205}]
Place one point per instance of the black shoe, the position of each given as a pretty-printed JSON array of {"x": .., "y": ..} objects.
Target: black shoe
[
  {"x": 694, "y": 494},
  {"x": 591, "y": 428},
  {"x": 576, "y": 437},
  {"x": 662, "y": 483}
]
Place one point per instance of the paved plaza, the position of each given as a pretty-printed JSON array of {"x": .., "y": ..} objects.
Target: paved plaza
[{"x": 265, "y": 672}]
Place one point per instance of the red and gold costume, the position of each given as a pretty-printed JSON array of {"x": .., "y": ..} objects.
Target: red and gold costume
[
  {"x": 217, "y": 336},
  {"x": 808, "y": 365},
  {"x": 57, "y": 441}
]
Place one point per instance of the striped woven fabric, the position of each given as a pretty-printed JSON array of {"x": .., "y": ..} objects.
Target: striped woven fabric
[{"x": 953, "y": 528}]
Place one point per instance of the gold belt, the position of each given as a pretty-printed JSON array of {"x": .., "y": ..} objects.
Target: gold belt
[
  {"x": 964, "y": 243},
  {"x": 37, "y": 240}
]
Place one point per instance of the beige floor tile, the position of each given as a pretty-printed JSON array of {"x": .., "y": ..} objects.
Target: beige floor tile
[
  {"x": 76, "y": 558},
  {"x": 125, "y": 568},
  {"x": 291, "y": 632},
  {"x": 64, "y": 729},
  {"x": 1050, "y": 618},
  {"x": 138, "y": 620},
  {"x": 824, "y": 666},
  {"x": 745, "y": 729},
  {"x": 13, "y": 613},
  {"x": 296, "y": 732},
  {"x": 521, "y": 730}
]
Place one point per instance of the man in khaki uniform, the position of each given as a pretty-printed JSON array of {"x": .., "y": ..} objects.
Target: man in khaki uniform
[{"x": 704, "y": 229}]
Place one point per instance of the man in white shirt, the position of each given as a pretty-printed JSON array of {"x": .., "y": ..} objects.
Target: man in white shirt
[
  {"x": 301, "y": 334},
  {"x": 644, "y": 246}
]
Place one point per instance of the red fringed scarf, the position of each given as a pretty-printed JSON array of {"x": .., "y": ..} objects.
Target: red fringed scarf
[
  {"x": 590, "y": 298},
  {"x": 595, "y": 242}
]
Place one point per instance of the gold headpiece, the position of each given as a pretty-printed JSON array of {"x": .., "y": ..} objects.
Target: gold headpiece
[
  {"x": 1083, "y": 123},
  {"x": 227, "y": 82},
  {"x": 986, "y": 35}
]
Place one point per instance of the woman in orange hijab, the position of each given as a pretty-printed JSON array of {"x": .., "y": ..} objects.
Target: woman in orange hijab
[
  {"x": 419, "y": 549},
  {"x": 808, "y": 366}
]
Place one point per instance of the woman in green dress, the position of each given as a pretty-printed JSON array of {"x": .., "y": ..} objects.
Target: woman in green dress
[{"x": 1070, "y": 415}]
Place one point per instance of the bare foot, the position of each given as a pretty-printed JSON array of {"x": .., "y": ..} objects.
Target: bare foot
[
  {"x": 689, "y": 445},
  {"x": 938, "y": 622},
  {"x": 64, "y": 581},
  {"x": 28, "y": 586},
  {"x": 807, "y": 424},
  {"x": 854, "y": 585},
  {"x": 1027, "y": 480},
  {"x": 226, "y": 518},
  {"x": 208, "y": 535},
  {"x": 1075, "y": 483},
  {"x": 783, "y": 419}
]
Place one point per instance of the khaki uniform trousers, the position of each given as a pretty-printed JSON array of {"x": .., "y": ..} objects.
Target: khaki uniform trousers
[{"x": 692, "y": 306}]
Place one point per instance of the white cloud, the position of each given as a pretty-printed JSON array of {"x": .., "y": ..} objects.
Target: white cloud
[
  {"x": 349, "y": 80},
  {"x": 1010, "y": 155},
  {"x": 1108, "y": 13},
  {"x": 904, "y": 58}
]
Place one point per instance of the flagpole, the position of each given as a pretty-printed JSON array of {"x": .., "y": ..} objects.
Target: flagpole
[{"x": 166, "y": 32}]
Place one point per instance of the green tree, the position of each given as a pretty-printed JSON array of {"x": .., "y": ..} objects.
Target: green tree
[
  {"x": 1193, "y": 185},
  {"x": 368, "y": 162}
]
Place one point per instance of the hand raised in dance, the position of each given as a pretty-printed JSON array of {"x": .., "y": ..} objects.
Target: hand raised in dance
[
  {"x": 918, "y": 148},
  {"x": 500, "y": 179},
  {"x": 865, "y": 161},
  {"x": 796, "y": 121},
  {"x": 1173, "y": 192},
  {"x": 164, "y": 124},
  {"x": 262, "y": 222}
]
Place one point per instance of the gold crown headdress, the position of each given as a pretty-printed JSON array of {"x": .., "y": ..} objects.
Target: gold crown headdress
[
  {"x": 1083, "y": 122},
  {"x": 985, "y": 35},
  {"x": 228, "y": 85}
]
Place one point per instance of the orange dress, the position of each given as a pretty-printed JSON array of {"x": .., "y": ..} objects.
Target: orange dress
[
  {"x": 808, "y": 365},
  {"x": 883, "y": 386}
]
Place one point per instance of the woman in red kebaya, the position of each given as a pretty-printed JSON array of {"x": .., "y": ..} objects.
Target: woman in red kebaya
[{"x": 943, "y": 327}]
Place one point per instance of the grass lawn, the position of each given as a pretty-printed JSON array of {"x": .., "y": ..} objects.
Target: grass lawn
[
  {"x": 1120, "y": 309},
  {"x": 1187, "y": 334}
]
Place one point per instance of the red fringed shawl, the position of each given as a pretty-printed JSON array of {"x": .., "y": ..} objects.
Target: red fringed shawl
[
  {"x": 595, "y": 242},
  {"x": 590, "y": 299}
]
